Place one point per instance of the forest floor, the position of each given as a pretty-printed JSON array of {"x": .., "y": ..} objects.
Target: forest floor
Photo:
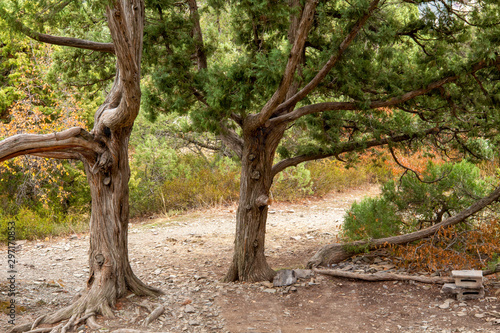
[{"x": 187, "y": 256}]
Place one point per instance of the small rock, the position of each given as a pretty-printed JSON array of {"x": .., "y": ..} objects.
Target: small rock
[
  {"x": 479, "y": 315},
  {"x": 194, "y": 323},
  {"x": 267, "y": 284},
  {"x": 303, "y": 273},
  {"x": 445, "y": 305},
  {"x": 296, "y": 237},
  {"x": 270, "y": 291},
  {"x": 189, "y": 309},
  {"x": 284, "y": 277}
]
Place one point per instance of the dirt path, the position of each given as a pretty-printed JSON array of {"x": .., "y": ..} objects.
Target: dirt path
[{"x": 186, "y": 256}]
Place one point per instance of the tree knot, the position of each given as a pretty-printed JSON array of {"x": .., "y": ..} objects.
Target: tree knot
[
  {"x": 99, "y": 259},
  {"x": 255, "y": 175},
  {"x": 262, "y": 201}
]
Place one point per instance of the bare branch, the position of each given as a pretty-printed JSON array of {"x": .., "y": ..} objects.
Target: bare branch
[
  {"x": 335, "y": 253},
  {"x": 59, "y": 145},
  {"x": 293, "y": 60},
  {"x": 232, "y": 140},
  {"x": 349, "y": 147},
  {"x": 383, "y": 276},
  {"x": 57, "y": 40},
  {"x": 331, "y": 106},
  {"x": 331, "y": 62}
]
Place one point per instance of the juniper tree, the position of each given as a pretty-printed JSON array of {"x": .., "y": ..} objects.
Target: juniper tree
[
  {"x": 331, "y": 77},
  {"x": 103, "y": 151}
]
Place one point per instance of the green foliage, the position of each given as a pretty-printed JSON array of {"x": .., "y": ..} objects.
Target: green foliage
[
  {"x": 450, "y": 189},
  {"x": 43, "y": 196},
  {"x": 292, "y": 183},
  {"x": 403, "y": 47},
  {"x": 410, "y": 204},
  {"x": 32, "y": 224},
  {"x": 190, "y": 183},
  {"x": 370, "y": 219}
]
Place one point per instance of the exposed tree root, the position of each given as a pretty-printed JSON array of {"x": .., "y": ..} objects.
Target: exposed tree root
[
  {"x": 335, "y": 253},
  {"x": 154, "y": 315},
  {"x": 99, "y": 299},
  {"x": 262, "y": 273},
  {"x": 383, "y": 276},
  {"x": 496, "y": 269}
]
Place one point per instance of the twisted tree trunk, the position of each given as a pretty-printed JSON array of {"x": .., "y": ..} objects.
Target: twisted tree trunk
[{"x": 104, "y": 152}]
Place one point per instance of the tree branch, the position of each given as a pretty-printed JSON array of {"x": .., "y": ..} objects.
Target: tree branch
[
  {"x": 65, "y": 144},
  {"x": 349, "y": 147},
  {"x": 335, "y": 253},
  {"x": 291, "y": 66},
  {"x": 197, "y": 35},
  {"x": 331, "y": 106},
  {"x": 122, "y": 105},
  {"x": 60, "y": 155},
  {"x": 330, "y": 63},
  {"x": 391, "y": 150},
  {"x": 51, "y": 10},
  {"x": 232, "y": 140},
  {"x": 384, "y": 276},
  {"x": 57, "y": 40}
]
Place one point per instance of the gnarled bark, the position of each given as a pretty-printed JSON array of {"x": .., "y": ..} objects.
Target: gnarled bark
[
  {"x": 335, "y": 253},
  {"x": 104, "y": 152},
  {"x": 249, "y": 262}
]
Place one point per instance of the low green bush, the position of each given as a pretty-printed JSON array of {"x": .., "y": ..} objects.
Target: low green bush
[
  {"x": 409, "y": 204},
  {"x": 372, "y": 218},
  {"x": 30, "y": 224}
]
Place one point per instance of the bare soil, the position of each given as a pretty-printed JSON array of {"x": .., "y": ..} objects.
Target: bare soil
[{"x": 187, "y": 256}]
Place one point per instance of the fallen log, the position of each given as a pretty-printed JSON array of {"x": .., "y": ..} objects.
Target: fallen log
[
  {"x": 335, "y": 253},
  {"x": 380, "y": 276}
]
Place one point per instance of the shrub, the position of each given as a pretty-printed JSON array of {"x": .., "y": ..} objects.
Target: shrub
[
  {"x": 292, "y": 183},
  {"x": 454, "y": 248},
  {"x": 371, "y": 218},
  {"x": 30, "y": 224},
  {"x": 189, "y": 181},
  {"x": 410, "y": 204},
  {"x": 448, "y": 189}
]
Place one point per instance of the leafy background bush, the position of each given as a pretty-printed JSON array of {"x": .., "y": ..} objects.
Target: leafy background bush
[{"x": 409, "y": 203}]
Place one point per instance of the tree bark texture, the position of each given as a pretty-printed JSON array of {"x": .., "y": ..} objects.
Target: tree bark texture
[
  {"x": 104, "y": 152},
  {"x": 335, "y": 253},
  {"x": 249, "y": 262}
]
